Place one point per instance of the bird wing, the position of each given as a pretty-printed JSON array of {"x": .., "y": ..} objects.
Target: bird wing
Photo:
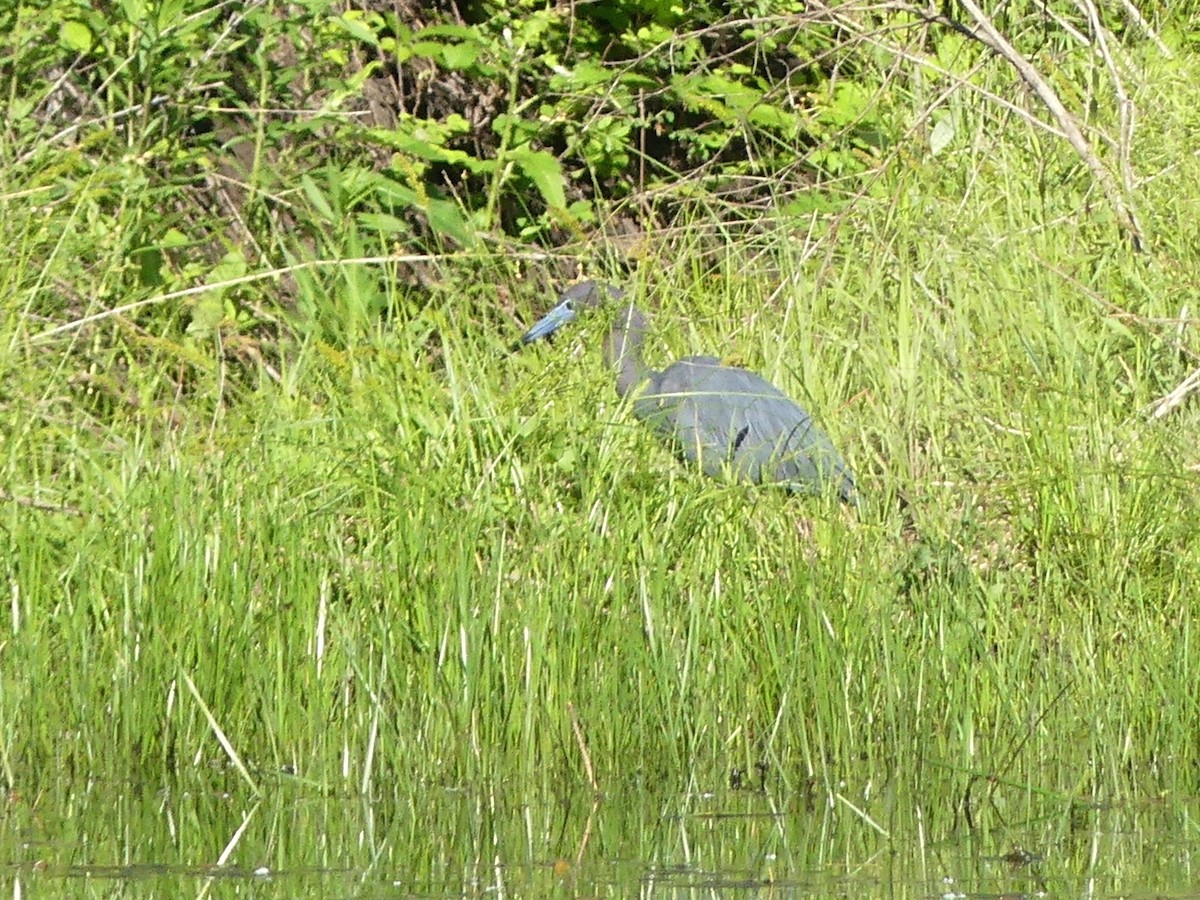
[{"x": 725, "y": 418}]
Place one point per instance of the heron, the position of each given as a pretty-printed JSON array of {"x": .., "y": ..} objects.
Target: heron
[{"x": 723, "y": 418}]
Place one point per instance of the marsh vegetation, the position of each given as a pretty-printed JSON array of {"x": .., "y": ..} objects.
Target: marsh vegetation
[{"x": 287, "y": 523}]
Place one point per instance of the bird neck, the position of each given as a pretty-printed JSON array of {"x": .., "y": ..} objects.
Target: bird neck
[{"x": 623, "y": 349}]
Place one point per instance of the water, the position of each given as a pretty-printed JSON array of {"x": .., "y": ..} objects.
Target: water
[{"x": 207, "y": 837}]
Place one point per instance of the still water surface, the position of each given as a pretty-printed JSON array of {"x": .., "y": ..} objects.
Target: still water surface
[{"x": 108, "y": 841}]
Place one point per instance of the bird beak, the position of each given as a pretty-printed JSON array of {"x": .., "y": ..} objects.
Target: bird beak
[{"x": 550, "y": 323}]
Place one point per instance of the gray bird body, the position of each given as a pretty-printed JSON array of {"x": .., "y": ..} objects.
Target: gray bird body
[{"x": 722, "y": 418}]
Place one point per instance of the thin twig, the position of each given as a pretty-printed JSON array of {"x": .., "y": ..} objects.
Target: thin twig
[
  {"x": 40, "y": 505},
  {"x": 1177, "y": 395},
  {"x": 583, "y": 749},
  {"x": 245, "y": 279}
]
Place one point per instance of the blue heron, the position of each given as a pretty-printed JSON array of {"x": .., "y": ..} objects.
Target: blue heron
[{"x": 720, "y": 417}]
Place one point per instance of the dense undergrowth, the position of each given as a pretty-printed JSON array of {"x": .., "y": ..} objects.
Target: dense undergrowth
[{"x": 319, "y": 519}]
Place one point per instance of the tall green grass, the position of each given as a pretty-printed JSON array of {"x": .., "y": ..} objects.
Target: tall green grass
[{"x": 417, "y": 561}]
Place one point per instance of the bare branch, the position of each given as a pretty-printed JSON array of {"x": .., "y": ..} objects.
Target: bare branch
[{"x": 1126, "y": 217}]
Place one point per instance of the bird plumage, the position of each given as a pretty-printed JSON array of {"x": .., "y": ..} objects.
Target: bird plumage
[{"x": 722, "y": 418}]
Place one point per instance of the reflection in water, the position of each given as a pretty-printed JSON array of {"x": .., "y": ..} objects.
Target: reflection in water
[{"x": 195, "y": 838}]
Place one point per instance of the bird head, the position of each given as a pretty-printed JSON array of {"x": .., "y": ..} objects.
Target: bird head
[{"x": 576, "y": 298}]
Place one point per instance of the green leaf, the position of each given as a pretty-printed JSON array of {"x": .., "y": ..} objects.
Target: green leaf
[
  {"x": 583, "y": 211},
  {"x": 585, "y": 74},
  {"x": 427, "y": 138},
  {"x": 461, "y": 32},
  {"x": 383, "y": 223},
  {"x": 135, "y": 11},
  {"x": 209, "y": 309},
  {"x": 446, "y": 218},
  {"x": 443, "y": 216},
  {"x": 850, "y": 100},
  {"x": 232, "y": 265},
  {"x": 207, "y": 314},
  {"x": 173, "y": 238},
  {"x": 357, "y": 29},
  {"x": 736, "y": 94},
  {"x": 75, "y": 35},
  {"x": 318, "y": 200},
  {"x": 459, "y": 56},
  {"x": 544, "y": 171},
  {"x": 766, "y": 116},
  {"x": 651, "y": 36},
  {"x": 170, "y": 15},
  {"x": 428, "y": 49},
  {"x": 942, "y": 135}
]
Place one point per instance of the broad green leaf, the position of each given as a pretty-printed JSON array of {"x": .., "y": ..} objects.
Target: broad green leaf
[
  {"x": 942, "y": 135},
  {"x": 429, "y": 49},
  {"x": 135, "y": 11},
  {"x": 357, "y": 29},
  {"x": 459, "y": 56},
  {"x": 849, "y": 102},
  {"x": 443, "y": 216},
  {"x": 446, "y": 218},
  {"x": 232, "y": 265},
  {"x": 585, "y": 74},
  {"x": 734, "y": 93},
  {"x": 583, "y": 211},
  {"x": 170, "y": 14},
  {"x": 173, "y": 238},
  {"x": 766, "y": 116},
  {"x": 75, "y": 35},
  {"x": 544, "y": 171},
  {"x": 207, "y": 314}
]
